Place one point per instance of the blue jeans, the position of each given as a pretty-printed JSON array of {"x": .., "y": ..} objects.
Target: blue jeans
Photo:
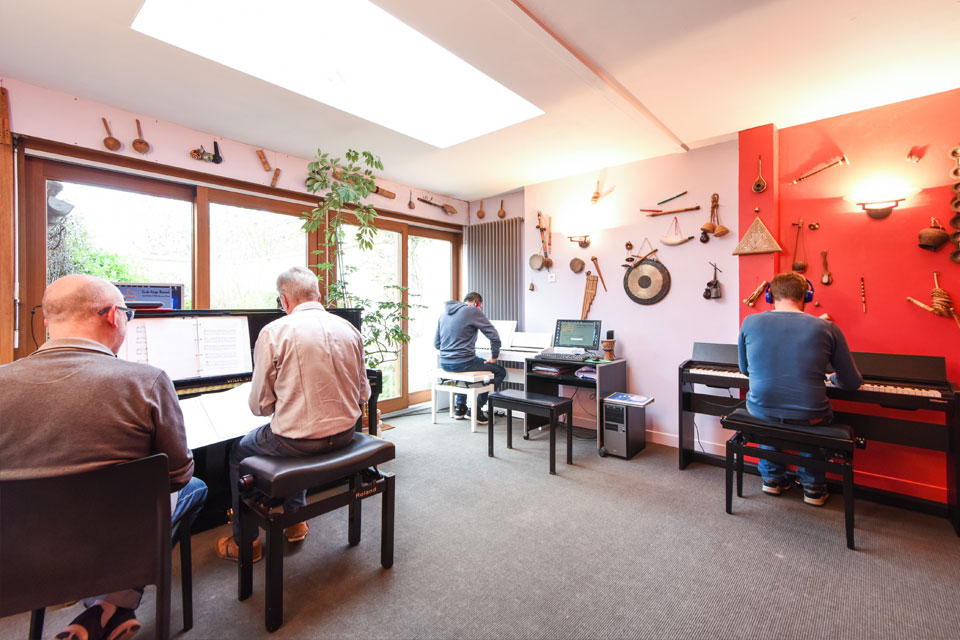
[
  {"x": 264, "y": 442},
  {"x": 773, "y": 472},
  {"x": 190, "y": 501},
  {"x": 477, "y": 364}
]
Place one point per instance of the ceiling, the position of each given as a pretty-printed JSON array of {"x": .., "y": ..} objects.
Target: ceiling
[{"x": 705, "y": 68}]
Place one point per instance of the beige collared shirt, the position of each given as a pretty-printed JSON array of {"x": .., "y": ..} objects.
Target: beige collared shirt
[{"x": 309, "y": 372}]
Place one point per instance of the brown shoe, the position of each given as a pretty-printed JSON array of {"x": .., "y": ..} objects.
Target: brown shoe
[
  {"x": 297, "y": 532},
  {"x": 228, "y": 549}
]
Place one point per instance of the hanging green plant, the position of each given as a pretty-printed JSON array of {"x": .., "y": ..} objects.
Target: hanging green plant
[{"x": 342, "y": 186}]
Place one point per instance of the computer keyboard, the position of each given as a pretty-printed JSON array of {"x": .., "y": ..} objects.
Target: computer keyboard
[{"x": 568, "y": 357}]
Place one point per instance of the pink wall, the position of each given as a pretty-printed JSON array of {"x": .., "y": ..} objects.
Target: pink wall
[
  {"x": 512, "y": 205},
  {"x": 52, "y": 115},
  {"x": 654, "y": 339}
]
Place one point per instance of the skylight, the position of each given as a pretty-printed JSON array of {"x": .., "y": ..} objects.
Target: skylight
[{"x": 349, "y": 54}]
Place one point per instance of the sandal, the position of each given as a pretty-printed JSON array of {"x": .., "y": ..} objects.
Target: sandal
[{"x": 228, "y": 549}]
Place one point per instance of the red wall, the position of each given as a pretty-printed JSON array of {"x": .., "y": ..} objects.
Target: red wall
[{"x": 884, "y": 252}]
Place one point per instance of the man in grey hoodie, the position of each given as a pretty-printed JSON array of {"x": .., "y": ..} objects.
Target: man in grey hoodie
[{"x": 456, "y": 340}]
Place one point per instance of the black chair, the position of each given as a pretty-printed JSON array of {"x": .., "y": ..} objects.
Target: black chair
[
  {"x": 182, "y": 537},
  {"x": 831, "y": 448},
  {"x": 535, "y": 404},
  {"x": 80, "y": 535},
  {"x": 266, "y": 480}
]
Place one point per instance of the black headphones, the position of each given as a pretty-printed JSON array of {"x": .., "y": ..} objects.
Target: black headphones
[{"x": 807, "y": 297}]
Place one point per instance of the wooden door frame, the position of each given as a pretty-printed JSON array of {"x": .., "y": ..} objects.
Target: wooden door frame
[{"x": 456, "y": 243}]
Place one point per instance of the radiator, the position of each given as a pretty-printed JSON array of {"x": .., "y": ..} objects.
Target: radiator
[{"x": 494, "y": 257}]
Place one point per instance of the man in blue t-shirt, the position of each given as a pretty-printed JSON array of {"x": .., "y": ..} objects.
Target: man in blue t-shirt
[
  {"x": 786, "y": 353},
  {"x": 456, "y": 339}
]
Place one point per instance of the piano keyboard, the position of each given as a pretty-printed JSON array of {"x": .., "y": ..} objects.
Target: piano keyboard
[{"x": 866, "y": 386}]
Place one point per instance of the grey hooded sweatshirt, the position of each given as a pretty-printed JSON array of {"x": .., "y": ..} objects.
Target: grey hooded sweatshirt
[{"x": 457, "y": 328}]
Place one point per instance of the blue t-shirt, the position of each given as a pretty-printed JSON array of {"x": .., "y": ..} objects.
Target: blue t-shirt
[{"x": 786, "y": 355}]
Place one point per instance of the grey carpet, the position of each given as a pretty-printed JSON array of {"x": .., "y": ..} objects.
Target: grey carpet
[{"x": 608, "y": 548}]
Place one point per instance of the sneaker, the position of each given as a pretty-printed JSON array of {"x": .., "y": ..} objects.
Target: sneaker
[
  {"x": 460, "y": 413},
  {"x": 92, "y": 624},
  {"x": 297, "y": 532},
  {"x": 776, "y": 487},
  {"x": 89, "y": 625},
  {"x": 815, "y": 495},
  {"x": 482, "y": 417},
  {"x": 228, "y": 549},
  {"x": 122, "y": 625}
]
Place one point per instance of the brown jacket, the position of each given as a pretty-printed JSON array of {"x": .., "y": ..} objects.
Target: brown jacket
[{"x": 73, "y": 406}]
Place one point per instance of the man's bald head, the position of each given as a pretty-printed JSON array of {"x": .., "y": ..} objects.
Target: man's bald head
[{"x": 77, "y": 298}]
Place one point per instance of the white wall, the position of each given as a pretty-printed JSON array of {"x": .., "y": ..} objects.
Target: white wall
[{"x": 654, "y": 339}]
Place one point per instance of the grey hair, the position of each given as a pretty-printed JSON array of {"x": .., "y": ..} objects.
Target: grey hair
[{"x": 298, "y": 284}]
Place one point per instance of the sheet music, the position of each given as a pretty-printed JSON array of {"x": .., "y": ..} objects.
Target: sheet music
[
  {"x": 168, "y": 343},
  {"x": 218, "y": 417},
  {"x": 505, "y": 328},
  {"x": 223, "y": 346},
  {"x": 190, "y": 347}
]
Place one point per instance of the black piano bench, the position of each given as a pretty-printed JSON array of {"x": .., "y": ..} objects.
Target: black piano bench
[
  {"x": 534, "y": 404},
  {"x": 831, "y": 447},
  {"x": 351, "y": 475}
]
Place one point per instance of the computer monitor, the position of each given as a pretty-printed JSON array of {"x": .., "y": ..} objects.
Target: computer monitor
[
  {"x": 151, "y": 295},
  {"x": 583, "y": 334}
]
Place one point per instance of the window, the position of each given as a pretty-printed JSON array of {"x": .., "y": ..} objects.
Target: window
[
  {"x": 118, "y": 235},
  {"x": 249, "y": 248},
  {"x": 430, "y": 274},
  {"x": 370, "y": 276}
]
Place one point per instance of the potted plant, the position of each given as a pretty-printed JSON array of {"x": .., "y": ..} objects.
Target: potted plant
[{"x": 344, "y": 186}]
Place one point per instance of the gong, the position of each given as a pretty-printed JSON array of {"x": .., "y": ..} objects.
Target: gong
[{"x": 647, "y": 282}]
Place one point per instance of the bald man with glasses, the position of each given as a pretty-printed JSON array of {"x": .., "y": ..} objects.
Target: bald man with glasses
[{"x": 72, "y": 406}]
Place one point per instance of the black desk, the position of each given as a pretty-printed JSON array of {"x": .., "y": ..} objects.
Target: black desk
[{"x": 611, "y": 378}]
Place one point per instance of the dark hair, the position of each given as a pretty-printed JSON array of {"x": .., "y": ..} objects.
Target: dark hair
[
  {"x": 790, "y": 285},
  {"x": 473, "y": 296}
]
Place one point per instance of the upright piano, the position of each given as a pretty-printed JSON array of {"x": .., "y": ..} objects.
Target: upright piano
[
  {"x": 893, "y": 381},
  {"x": 211, "y": 458}
]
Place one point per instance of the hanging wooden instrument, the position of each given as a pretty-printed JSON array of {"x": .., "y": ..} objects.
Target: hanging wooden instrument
[
  {"x": 759, "y": 185},
  {"x": 799, "y": 264},
  {"x": 826, "y": 278}
]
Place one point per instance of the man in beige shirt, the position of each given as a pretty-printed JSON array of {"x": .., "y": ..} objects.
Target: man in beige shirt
[{"x": 309, "y": 373}]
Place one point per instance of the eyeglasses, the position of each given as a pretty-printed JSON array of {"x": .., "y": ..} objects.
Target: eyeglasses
[{"x": 129, "y": 312}]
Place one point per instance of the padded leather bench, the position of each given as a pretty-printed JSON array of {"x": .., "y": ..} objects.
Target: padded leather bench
[
  {"x": 831, "y": 447},
  {"x": 352, "y": 476},
  {"x": 536, "y": 404}
]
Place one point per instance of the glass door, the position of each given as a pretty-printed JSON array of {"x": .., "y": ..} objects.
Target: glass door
[{"x": 431, "y": 269}]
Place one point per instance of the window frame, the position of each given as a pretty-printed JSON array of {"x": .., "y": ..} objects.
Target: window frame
[{"x": 46, "y": 160}]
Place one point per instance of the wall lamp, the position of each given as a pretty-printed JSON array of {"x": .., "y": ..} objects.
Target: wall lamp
[
  {"x": 583, "y": 241},
  {"x": 874, "y": 195},
  {"x": 880, "y": 210}
]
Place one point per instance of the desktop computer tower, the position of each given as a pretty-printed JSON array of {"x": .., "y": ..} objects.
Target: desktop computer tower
[{"x": 624, "y": 429}]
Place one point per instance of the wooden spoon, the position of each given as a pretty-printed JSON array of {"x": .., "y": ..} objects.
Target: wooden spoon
[
  {"x": 411, "y": 205},
  {"x": 110, "y": 142},
  {"x": 501, "y": 213},
  {"x": 140, "y": 145},
  {"x": 480, "y": 212}
]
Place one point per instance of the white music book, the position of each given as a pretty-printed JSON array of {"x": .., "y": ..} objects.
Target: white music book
[{"x": 220, "y": 416}]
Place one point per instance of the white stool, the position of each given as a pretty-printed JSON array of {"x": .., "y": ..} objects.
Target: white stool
[{"x": 471, "y": 392}]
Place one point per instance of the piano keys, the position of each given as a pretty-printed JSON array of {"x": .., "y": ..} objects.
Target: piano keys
[{"x": 894, "y": 381}]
